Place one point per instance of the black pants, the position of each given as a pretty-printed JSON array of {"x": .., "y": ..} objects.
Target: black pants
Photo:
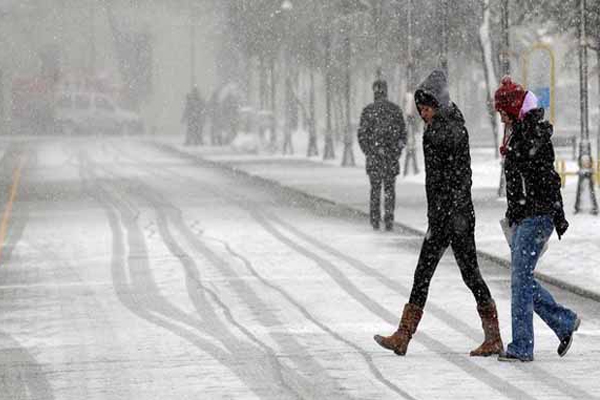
[
  {"x": 461, "y": 237},
  {"x": 389, "y": 192}
]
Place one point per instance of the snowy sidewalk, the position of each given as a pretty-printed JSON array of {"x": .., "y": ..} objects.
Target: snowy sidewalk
[{"x": 571, "y": 263}]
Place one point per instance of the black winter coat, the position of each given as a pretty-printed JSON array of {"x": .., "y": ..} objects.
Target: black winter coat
[
  {"x": 382, "y": 136},
  {"x": 448, "y": 171},
  {"x": 532, "y": 184}
]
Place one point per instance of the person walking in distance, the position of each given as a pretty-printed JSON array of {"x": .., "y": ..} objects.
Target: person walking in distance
[
  {"x": 382, "y": 136},
  {"x": 535, "y": 209},
  {"x": 450, "y": 214},
  {"x": 193, "y": 115}
]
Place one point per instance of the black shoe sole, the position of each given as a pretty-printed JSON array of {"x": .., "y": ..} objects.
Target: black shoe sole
[
  {"x": 509, "y": 358},
  {"x": 575, "y": 328}
]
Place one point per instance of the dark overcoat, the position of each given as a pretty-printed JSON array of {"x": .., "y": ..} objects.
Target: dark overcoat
[
  {"x": 447, "y": 161},
  {"x": 382, "y": 136}
]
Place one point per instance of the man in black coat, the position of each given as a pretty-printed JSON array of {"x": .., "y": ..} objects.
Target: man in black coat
[
  {"x": 450, "y": 215},
  {"x": 382, "y": 136}
]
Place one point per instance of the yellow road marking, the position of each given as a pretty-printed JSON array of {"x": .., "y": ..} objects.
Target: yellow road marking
[{"x": 11, "y": 200}]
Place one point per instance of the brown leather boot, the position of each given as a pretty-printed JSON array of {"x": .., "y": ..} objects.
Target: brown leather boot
[
  {"x": 492, "y": 344},
  {"x": 398, "y": 342}
]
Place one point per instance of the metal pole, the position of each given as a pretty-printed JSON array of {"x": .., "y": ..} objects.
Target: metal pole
[{"x": 586, "y": 161}]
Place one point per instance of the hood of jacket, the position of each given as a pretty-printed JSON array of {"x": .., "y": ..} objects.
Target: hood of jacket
[
  {"x": 451, "y": 113},
  {"x": 530, "y": 102},
  {"x": 435, "y": 86},
  {"x": 533, "y": 121}
]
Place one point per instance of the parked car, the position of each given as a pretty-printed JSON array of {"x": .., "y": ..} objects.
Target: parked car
[{"x": 89, "y": 112}]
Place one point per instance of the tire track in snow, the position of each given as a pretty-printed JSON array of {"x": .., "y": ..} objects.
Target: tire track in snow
[
  {"x": 194, "y": 286},
  {"x": 537, "y": 372},
  {"x": 329, "y": 388},
  {"x": 192, "y": 238},
  {"x": 140, "y": 295},
  {"x": 368, "y": 359}
]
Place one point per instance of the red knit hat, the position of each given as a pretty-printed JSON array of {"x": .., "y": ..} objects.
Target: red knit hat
[{"x": 509, "y": 97}]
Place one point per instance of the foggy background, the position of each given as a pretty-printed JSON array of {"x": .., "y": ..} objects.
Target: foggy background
[{"x": 150, "y": 53}]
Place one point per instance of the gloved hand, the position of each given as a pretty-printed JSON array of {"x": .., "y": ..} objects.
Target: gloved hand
[
  {"x": 503, "y": 150},
  {"x": 561, "y": 225}
]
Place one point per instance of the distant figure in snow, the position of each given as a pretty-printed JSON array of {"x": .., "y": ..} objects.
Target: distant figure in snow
[
  {"x": 193, "y": 115},
  {"x": 382, "y": 136},
  {"x": 451, "y": 217},
  {"x": 535, "y": 209},
  {"x": 224, "y": 113}
]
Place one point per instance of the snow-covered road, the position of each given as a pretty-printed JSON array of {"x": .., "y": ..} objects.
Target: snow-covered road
[{"x": 129, "y": 272}]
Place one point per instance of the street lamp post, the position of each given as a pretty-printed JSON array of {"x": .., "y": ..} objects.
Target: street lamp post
[{"x": 586, "y": 161}]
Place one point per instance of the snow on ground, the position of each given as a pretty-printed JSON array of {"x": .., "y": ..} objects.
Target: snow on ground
[{"x": 573, "y": 261}]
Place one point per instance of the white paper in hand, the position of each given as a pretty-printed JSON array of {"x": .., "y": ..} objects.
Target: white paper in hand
[{"x": 507, "y": 230}]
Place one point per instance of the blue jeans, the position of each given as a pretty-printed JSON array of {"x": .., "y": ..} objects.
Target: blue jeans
[{"x": 527, "y": 294}]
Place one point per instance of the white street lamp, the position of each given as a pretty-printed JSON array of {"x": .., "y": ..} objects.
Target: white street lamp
[{"x": 287, "y": 5}]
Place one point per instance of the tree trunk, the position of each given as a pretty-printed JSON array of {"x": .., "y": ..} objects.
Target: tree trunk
[
  {"x": 313, "y": 150},
  {"x": 328, "y": 149},
  {"x": 598, "y": 118},
  {"x": 339, "y": 116},
  {"x": 2, "y": 117},
  {"x": 490, "y": 75},
  {"x": 248, "y": 123},
  {"x": 262, "y": 92},
  {"x": 272, "y": 106}
]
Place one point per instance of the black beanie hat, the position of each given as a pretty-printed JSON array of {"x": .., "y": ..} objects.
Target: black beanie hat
[{"x": 380, "y": 87}]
